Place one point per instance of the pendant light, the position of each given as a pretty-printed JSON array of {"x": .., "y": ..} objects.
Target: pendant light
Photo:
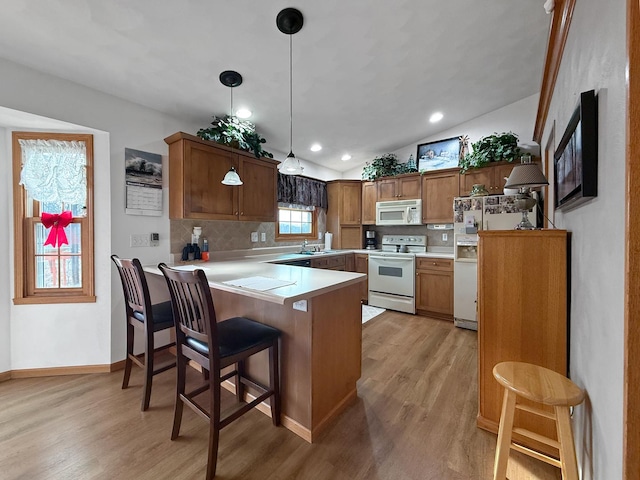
[
  {"x": 231, "y": 79},
  {"x": 289, "y": 21}
]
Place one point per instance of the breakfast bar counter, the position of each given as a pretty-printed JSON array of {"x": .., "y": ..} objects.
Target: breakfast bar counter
[{"x": 319, "y": 314}]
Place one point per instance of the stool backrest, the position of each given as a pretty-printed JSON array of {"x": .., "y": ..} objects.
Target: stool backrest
[
  {"x": 193, "y": 310},
  {"x": 134, "y": 286}
]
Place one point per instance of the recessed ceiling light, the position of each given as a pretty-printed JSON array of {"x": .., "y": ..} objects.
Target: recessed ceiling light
[
  {"x": 243, "y": 113},
  {"x": 436, "y": 117},
  {"x": 316, "y": 147},
  {"x": 346, "y": 157}
]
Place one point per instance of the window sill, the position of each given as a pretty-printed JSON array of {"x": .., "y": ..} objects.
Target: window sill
[{"x": 42, "y": 300}]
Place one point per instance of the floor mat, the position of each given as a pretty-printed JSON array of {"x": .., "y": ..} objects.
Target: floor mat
[{"x": 369, "y": 312}]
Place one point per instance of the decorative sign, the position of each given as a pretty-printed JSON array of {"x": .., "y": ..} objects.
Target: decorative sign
[{"x": 143, "y": 177}]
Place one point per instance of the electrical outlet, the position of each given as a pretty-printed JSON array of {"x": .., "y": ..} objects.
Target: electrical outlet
[
  {"x": 263, "y": 237},
  {"x": 300, "y": 305},
  {"x": 445, "y": 236},
  {"x": 140, "y": 240},
  {"x": 254, "y": 236}
]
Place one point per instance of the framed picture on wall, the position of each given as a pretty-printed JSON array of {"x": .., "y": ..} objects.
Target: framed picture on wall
[
  {"x": 576, "y": 158},
  {"x": 438, "y": 155}
]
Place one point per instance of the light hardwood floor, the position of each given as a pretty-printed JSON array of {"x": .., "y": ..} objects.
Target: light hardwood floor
[{"x": 414, "y": 419}]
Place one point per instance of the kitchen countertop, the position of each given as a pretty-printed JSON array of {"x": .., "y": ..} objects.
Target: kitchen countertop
[{"x": 308, "y": 282}]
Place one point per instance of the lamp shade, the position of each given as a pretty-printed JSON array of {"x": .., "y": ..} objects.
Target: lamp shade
[
  {"x": 290, "y": 166},
  {"x": 526, "y": 175},
  {"x": 231, "y": 178}
]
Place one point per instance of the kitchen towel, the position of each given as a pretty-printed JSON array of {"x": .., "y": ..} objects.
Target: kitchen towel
[{"x": 327, "y": 240}]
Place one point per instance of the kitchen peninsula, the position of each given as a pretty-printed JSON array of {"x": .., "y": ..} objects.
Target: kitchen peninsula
[{"x": 319, "y": 314}]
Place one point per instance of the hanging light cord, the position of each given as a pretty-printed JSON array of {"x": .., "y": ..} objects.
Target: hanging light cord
[{"x": 290, "y": 94}]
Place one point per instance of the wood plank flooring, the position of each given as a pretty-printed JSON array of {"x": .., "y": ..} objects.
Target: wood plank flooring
[{"x": 414, "y": 419}]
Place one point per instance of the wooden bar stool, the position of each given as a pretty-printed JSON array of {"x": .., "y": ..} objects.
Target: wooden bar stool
[{"x": 545, "y": 387}]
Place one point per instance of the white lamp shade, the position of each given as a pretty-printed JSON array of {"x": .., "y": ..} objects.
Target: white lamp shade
[
  {"x": 231, "y": 178},
  {"x": 290, "y": 166}
]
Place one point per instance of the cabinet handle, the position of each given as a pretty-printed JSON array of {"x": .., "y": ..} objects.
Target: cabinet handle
[{"x": 435, "y": 263}]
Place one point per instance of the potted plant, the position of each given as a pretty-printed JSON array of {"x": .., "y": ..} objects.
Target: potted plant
[
  {"x": 229, "y": 130},
  {"x": 387, "y": 165},
  {"x": 492, "y": 148}
]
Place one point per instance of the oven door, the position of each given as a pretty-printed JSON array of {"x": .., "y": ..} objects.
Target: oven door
[{"x": 392, "y": 274}]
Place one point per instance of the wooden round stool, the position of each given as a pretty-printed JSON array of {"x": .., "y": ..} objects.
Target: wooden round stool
[{"x": 545, "y": 387}]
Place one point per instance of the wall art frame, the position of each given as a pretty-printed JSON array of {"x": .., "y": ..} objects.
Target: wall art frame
[
  {"x": 439, "y": 154},
  {"x": 576, "y": 158}
]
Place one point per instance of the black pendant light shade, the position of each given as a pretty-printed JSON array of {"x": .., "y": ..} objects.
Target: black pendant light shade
[
  {"x": 290, "y": 21},
  {"x": 229, "y": 78}
]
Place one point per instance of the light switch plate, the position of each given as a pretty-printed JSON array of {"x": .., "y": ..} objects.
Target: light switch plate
[
  {"x": 263, "y": 237},
  {"x": 254, "y": 236},
  {"x": 139, "y": 240}
]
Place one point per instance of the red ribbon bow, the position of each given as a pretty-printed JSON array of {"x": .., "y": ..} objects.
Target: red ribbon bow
[{"x": 56, "y": 222}]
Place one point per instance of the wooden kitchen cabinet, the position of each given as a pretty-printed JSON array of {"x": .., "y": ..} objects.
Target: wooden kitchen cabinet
[
  {"x": 196, "y": 168},
  {"x": 362, "y": 266},
  {"x": 333, "y": 262},
  {"x": 344, "y": 213},
  {"x": 522, "y": 315},
  {"x": 403, "y": 187},
  {"x": 491, "y": 176},
  {"x": 438, "y": 191},
  {"x": 434, "y": 287},
  {"x": 369, "y": 199}
]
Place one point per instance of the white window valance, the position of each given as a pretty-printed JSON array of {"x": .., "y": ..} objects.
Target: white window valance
[{"x": 54, "y": 171}]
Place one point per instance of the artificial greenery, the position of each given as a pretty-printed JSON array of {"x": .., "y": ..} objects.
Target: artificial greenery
[
  {"x": 492, "y": 148},
  {"x": 387, "y": 165},
  {"x": 229, "y": 130}
]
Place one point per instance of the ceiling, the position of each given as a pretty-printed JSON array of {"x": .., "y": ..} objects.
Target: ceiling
[{"x": 367, "y": 74}]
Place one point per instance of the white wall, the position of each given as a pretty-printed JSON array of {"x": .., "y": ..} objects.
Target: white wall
[
  {"x": 83, "y": 334},
  {"x": 518, "y": 117},
  {"x": 594, "y": 58},
  {"x": 5, "y": 260}
]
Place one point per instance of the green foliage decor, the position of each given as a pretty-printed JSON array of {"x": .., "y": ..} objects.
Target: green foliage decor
[
  {"x": 492, "y": 148},
  {"x": 229, "y": 130},
  {"x": 387, "y": 165}
]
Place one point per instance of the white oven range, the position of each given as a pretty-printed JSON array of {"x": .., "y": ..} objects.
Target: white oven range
[{"x": 392, "y": 272}]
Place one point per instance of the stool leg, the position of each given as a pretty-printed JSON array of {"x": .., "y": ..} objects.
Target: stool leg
[
  {"x": 567, "y": 449},
  {"x": 504, "y": 435}
]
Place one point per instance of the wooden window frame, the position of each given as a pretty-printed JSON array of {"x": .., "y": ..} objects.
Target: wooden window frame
[
  {"x": 295, "y": 236},
  {"x": 23, "y": 230}
]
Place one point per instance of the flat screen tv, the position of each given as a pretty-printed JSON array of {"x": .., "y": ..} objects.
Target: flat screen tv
[{"x": 576, "y": 158}]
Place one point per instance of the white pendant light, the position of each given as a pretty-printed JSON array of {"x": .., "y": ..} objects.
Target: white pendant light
[
  {"x": 289, "y": 21},
  {"x": 231, "y": 79}
]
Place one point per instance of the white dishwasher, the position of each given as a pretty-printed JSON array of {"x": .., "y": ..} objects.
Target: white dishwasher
[{"x": 465, "y": 281}]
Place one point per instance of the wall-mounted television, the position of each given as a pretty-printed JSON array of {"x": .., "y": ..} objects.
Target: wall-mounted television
[{"x": 576, "y": 158}]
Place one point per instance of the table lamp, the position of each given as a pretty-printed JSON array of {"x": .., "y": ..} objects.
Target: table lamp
[{"x": 525, "y": 176}]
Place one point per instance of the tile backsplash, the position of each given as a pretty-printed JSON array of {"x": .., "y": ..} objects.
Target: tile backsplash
[{"x": 225, "y": 235}]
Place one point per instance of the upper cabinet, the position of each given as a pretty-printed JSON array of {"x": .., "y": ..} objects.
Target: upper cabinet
[
  {"x": 196, "y": 168},
  {"x": 369, "y": 198},
  {"x": 403, "y": 187},
  {"x": 492, "y": 177},
  {"x": 438, "y": 192},
  {"x": 344, "y": 213}
]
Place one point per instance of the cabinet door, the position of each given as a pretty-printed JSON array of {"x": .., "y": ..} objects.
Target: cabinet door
[
  {"x": 434, "y": 291},
  {"x": 350, "y": 203},
  {"x": 362, "y": 266},
  {"x": 483, "y": 176},
  {"x": 438, "y": 192},
  {"x": 350, "y": 237},
  {"x": 500, "y": 172},
  {"x": 387, "y": 189},
  {"x": 204, "y": 196},
  {"x": 408, "y": 188},
  {"x": 258, "y": 193},
  {"x": 369, "y": 198}
]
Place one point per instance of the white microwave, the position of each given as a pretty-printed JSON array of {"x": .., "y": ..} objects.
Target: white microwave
[{"x": 399, "y": 212}]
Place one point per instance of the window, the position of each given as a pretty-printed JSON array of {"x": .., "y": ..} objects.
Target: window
[
  {"x": 296, "y": 221},
  {"x": 53, "y": 173}
]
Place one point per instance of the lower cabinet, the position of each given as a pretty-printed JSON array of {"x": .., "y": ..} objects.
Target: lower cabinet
[
  {"x": 434, "y": 287},
  {"x": 362, "y": 266},
  {"x": 334, "y": 262}
]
